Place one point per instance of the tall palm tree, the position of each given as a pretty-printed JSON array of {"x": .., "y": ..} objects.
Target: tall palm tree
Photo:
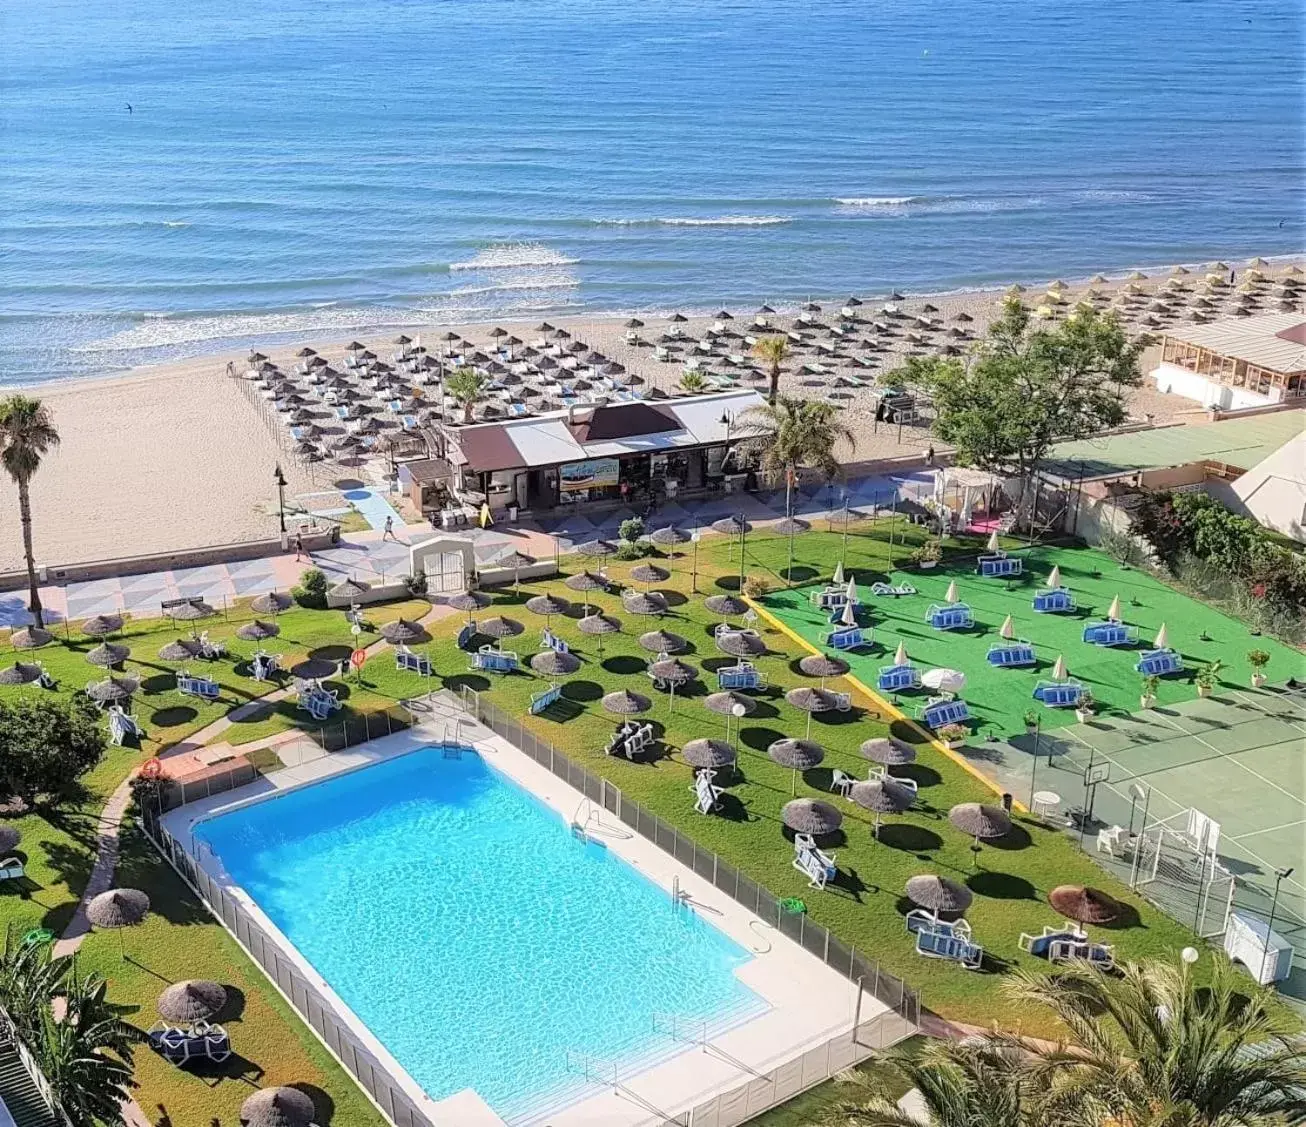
[
  {"x": 466, "y": 385},
  {"x": 1152, "y": 1047},
  {"x": 963, "y": 1084},
  {"x": 86, "y": 1054},
  {"x": 773, "y": 350},
  {"x": 27, "y": 434}
]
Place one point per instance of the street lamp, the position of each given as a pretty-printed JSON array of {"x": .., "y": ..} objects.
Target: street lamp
[{"x": 280, "y": 479}]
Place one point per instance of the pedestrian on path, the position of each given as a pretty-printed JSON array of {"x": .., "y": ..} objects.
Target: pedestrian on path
[
  {"x": 929, "y": 456},
  {"x": 299, "y": 547},
  {"x": 389, "y": 533}
]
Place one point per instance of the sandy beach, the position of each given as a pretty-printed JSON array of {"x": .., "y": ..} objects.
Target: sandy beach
[{"x": 176, "y": 457}]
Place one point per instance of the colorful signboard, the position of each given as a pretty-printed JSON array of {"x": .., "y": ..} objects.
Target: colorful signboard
[{"x": 594, "y": 474}]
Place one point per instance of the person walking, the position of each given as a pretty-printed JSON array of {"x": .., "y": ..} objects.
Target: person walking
[
  {"x": 929, "y": 456},
  {"x": 389, "y": 533},
  {"x": 299, "y": 547}
]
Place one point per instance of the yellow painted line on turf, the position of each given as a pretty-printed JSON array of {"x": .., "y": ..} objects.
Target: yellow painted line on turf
[{"x": 883, "y": 704}]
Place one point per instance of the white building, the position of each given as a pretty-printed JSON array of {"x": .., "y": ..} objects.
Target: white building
[{"x": 1236, "y": 363}]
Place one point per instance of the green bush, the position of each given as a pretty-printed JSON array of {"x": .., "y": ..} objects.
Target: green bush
[
  {"x": 755, "y": 586},
  {"x": 311, "y": 592},
  {"x": 46, "y": 745},
  {"x": 631, "y": 550},
  {"x": 631, "y": 529}
]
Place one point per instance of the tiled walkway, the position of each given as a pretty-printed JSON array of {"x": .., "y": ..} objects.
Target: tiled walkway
[{"x": 368, "y": 557}]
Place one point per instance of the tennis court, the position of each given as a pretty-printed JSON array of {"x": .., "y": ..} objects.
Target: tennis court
[{"x": 1238, "y": 758}]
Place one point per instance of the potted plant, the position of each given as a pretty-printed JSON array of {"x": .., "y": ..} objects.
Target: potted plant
[
  {"x": 1148, "y": 699},
  {"x": 1207, "y": 677},
  {"x": 1258, "y": 660},
  {"x": 927, "y": 556},
  {"x": 1031, "y": 722},
  {"x": 953, "y": 735},
  {"x": 1086, "y": 707}
]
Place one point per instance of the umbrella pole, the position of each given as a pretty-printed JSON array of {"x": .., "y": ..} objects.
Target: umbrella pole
[{"x": 809, "y": 727}]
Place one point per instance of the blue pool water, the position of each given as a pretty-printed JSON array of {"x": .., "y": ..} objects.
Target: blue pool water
[
  {"x": 312, "y": 168},
  {"x": 479, "y": 941}
]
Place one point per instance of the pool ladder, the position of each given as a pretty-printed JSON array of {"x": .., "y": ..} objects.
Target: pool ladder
[{"x": 579, "y": 825}]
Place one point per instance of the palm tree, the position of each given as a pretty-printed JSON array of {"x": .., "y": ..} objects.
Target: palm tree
[
  {"x": 774, "y": 350},
  {"x": 466, "y": 385},
  {"x": 1152, "y": 1047},
  {"x": 86, "y": 1054},
  {"x": 692, "y": 381},
  {"x": 27, "y": 434},
  {"x": 973, "y": 1083}
]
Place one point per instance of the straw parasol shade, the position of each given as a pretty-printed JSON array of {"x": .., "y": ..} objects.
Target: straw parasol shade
[
  {"x": 547, "y": 605},
  {"x": 938, "y": 894},
  {"x": 553, "y": 664},
  {"x": 668, "y": 537},
  {"x": 1059, "y": 671},
  {"x": 468, "y": 601},
  {"x": 113, "y": 689},
  {"x": 1162, "y": 639},
  {"x": 196, "y": 1000},
  {"x": 191, "y": 611},
  {"x": 625, "y": 703},
  {"x": 711, "y": 754},
  {"x": 30, "y": 638},
  {"x": 20, "y": 673},
  {"x": 585, "y": 581},
  {"x": 811, "y": 816},
  {"x": 116, "y": 909},
  {"x": 950, "y": 596},
  {"x": 725, "y": 704},
  {"x": 649, "y": 573},
  {"x": 597, "y": 549},
  {"x": 401, "y": 631},
  {"x": 823, "y": 666},
  {"x": 728, "y": 606},
  {"x": 673, "y": 671},
  {"x": 10, "y": 836},
  {"x": 811, "y": 700},
  {"x": 102, "y": 625},
  {"x": 499, "y": 627},
  {"x": 596, "y": 625},
  {"x": 1084, "y": 905},
  {"x": 644, "y": 602},
  {"x": 107, "y": 654},
  {"x": 740, "y": 644},
  {"x": 797, "y": 755},
  {"x": 278, "y": 1107},
  {"x": 274, "y": 602},
  {"x": 258, "y": 631},
  {"x": 881, "y": 796},
  {"x": 888, "y": 751},
  {"x": 983, "y": 823},
  {"x": 731, "y": 525},
  {"x": 663, "y": 642},
  {"x": 349, "y": 588}
]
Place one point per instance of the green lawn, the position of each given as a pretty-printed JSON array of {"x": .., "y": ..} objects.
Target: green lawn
[{"x": 999, "y": 698}]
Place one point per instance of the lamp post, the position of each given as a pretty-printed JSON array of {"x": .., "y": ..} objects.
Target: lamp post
[
  {"x": 1280, "y": 875},
  {"x": 280, "y": 479}
]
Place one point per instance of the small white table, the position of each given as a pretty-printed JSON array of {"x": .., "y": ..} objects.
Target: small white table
[{"x": 1044, "y": 802}]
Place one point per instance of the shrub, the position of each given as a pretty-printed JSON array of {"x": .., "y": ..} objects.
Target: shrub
[
  {"x": 416, "y": 584},
  {"x": 1122, "y": 548},
  {"x": 631, "y": 529},
  {"x": 311, "y": 592},
  {"x": 47, "y": 745},
  {"x": 1209, "y": 674},
  {"x": 755, "y": 586},
  {"x": 631, "y": 550},
  {"x": 929, "y": 552},
  {"x": 1258, "y": 659},
  {"x": 949, "y": 733}
]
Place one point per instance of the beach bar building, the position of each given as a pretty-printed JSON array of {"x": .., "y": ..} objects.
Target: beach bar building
[
  {"x": 1236, "y": 363},
  {"x": 585, "y": 454}
]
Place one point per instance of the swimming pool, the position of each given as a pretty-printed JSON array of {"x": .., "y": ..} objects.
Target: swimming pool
[{"x": 481, "y": 942}]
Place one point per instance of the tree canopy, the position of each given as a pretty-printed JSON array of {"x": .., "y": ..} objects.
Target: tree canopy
[
  {"x": 46, "y": 745},
  {"x": 795, "y": 432}
]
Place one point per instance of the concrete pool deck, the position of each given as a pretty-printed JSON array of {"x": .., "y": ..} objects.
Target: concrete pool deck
[{"x": 809, "y": 1004}]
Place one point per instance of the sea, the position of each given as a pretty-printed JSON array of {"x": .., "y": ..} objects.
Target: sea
[{"x": 179, "y": 176}]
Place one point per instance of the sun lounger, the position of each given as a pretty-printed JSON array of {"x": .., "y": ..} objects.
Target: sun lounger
[
  {"x": 550, "y": 641},
  {"x": 956, "y": 616},
  {"x": 491, "y": 659},
  {"x": 1110, "y": 634},
  {"x": 890, "y": 590},
  {"x": 204, "y": 687},
  {"x": 11, "y": 868},
  {"x": 724, "y": 630},
  {"x": 406, "y": 659},
  {"x": 939, "y": 712},
  {"x": 263, "y": 665},
  {"x": 1158, "y": 663},
  {"x": 818, "y": 866},
  {"x": 630, "y": 739},
  {"x": 208, "y": 650},
  {"x": 847, "y": 638},
  {"x": 201, "y": 1041},
  {"x": 879, "y": 772},
  {"x": 541, "y": 701},
  {"x": 1011, "y": 654},
  {"x": 1040, "y": 945},
  {"x": 466, "y": 633},
  {"x": 707, "y": 798},
  {"x": 1059, "y": 694},
  {"x": 940, "y": 943},
  {"x": 897, "y": 678},
  {"x": 830, "y": 598},
  {"x": 1058, "y": 601},
  {"x": 742, "y": 675},
  {"x": 1000, "y": 566},
  {"x": 318, "y": 701},
  {"x": 122, "y": 726}
]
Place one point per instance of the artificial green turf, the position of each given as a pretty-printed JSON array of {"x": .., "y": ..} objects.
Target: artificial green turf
[{"x": 999, "y": 698}]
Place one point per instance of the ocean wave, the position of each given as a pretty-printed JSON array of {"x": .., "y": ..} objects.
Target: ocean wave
[
  {"x": 561, "y": 282},
  {"x": 900, "y": 206},
  {"x": 694, "y": 221},
  {"x": 877, "y": 201},
  {"x": 507, "y": 256}
]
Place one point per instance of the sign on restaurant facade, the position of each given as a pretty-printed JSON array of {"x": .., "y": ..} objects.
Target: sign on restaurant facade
[{"x": 593, "y": 474}]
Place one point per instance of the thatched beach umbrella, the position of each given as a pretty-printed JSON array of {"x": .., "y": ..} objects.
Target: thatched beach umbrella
[
  {"x": 278, "y": 1107},
  {"x": 823, "y": 666},
  {"x": 673, "y": 671},
  {"x": 349, "y": 589},
  {"x": 811, "y": 816},
  {"x": 585, "y": 582},
  {"x": 116, "y": 909},
  {"x": 811, "y": 701},
  {"x": 102, "y": 625},
  {"x": 550, "y": 663},
  {"x": 938, "y": 894},
  {"x": 649, "y": 573},
  {"x": 274, "y": 602},
  {"x": 113, "y": 689},
  {"x": 10, "y": 836},
  {"x": 1084, "y": 905},
  {"x": 403, "y": 631},
  {"x": 797, "y": 755},
  {"x": 499, "y": 627},
  {"x": 644, "y": 602},
  {"x": 596, "y": 549},
  {"x": 468, "y": 601},
  {"x": 732, "y": 525},
  {"x": 191, "y": 1001},
  {"x": 191, "y": 611},
  {"x": 881, "y": 796},
  {"x": 181, "y": 649},
  {"x": 727, "y": 606},
  {"x": 663, "y": 642},
  {"x": 668, "y": 537},
  {"x": 728, "y": 704},
  {"x": 982, "y": 822},
  {"x": 597, "y": 625},
  {"x": 738, "y": 643},
  {"x": 515, "y": 560},
  {"x": 30, "y": 638},
  {"x": 790, "y": 526},
  {"x": 258, "y": 631},
  {"x": 888, "y": 751},
  {"x": 20, "y": 673},
  {"x": 623, "y": 702},
  {"x": 107, "y": 655},
  {"x": 709, "y": 754},
  {"x": 548, "y": 605}
]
